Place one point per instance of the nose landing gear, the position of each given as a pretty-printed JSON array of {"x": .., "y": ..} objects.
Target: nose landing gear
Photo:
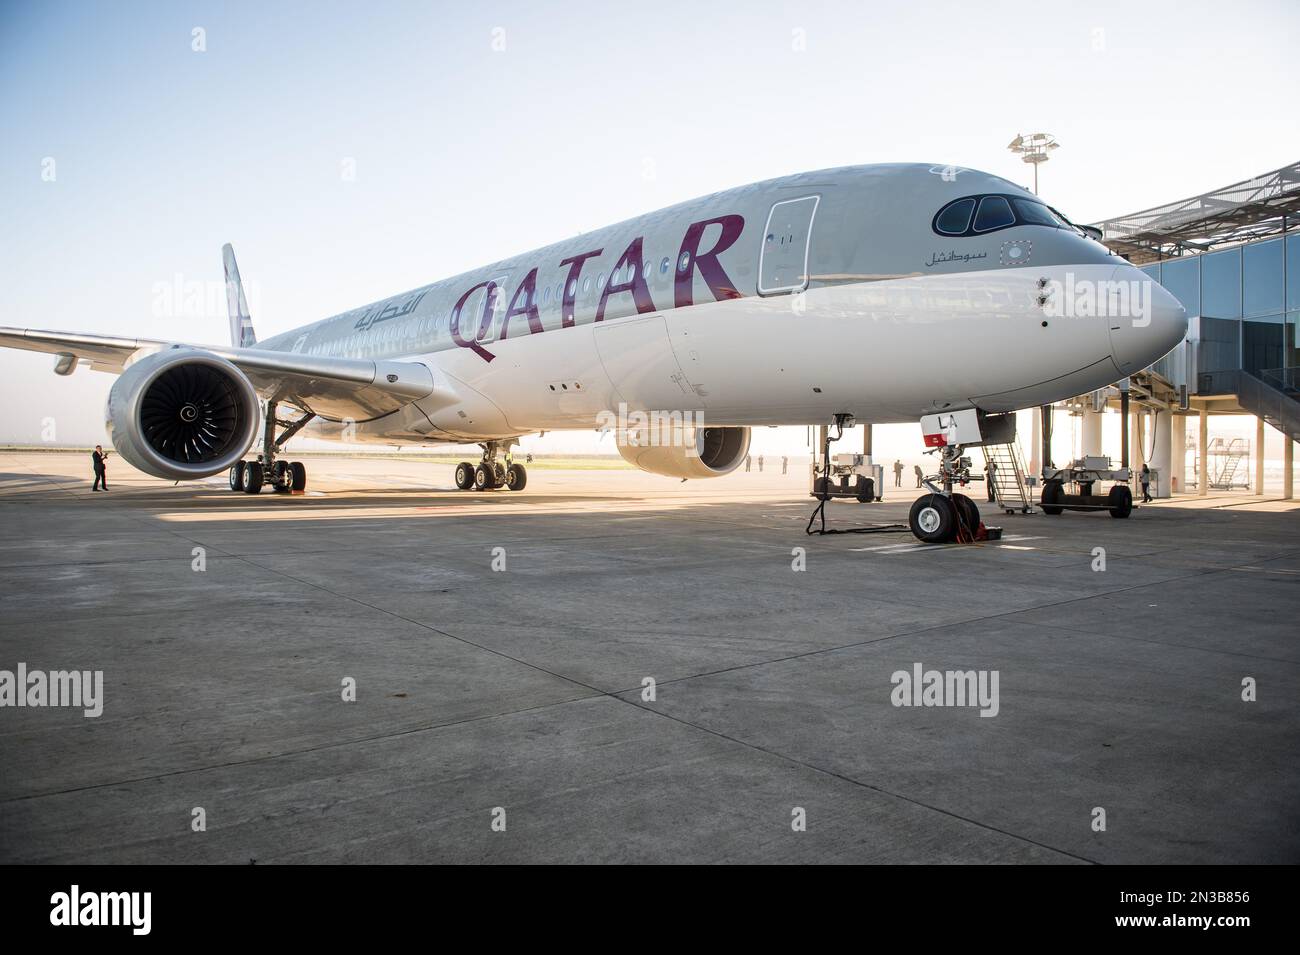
[{"x": 944, "y": 516}]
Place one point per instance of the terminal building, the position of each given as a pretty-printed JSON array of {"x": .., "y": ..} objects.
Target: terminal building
[{"x": 1232, "y": 257}]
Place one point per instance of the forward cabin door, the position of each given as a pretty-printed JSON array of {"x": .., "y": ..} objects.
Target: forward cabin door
[{"x": 783, "y": 258}]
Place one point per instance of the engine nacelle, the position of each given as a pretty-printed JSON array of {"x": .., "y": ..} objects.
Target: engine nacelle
[
  {"x": 182, "y": 414},
  {"x": 692, "y": 452}
]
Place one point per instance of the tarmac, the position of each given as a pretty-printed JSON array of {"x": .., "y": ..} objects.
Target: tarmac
[{"x": 614, "y": 667}]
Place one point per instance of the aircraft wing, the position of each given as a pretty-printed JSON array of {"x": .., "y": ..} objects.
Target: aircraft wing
[{"x": 334, "y": 388}]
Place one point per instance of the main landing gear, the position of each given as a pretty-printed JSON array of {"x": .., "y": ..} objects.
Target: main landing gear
[
  {"x": 490, "y": 474},
  {"x": 283, "y": 477}
]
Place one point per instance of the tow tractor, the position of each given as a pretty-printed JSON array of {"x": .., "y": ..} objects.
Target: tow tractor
[{"x": 1072, "y": 488}]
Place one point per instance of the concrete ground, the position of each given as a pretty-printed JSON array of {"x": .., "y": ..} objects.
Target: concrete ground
[{"x": 518, "y": 694}]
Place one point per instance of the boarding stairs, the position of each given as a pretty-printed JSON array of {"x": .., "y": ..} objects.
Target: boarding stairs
[
  {"x": 1231, "y": 457},
  {"x": 1008, "y": 477}
]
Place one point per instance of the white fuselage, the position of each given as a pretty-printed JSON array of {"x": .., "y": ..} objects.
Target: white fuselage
[{"x": 703, "y": 309}]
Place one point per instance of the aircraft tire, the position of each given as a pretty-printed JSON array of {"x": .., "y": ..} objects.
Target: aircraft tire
[
  {"x": 280, "y": 477},
  {"x": 464, "y": 475},
  {"x": 516, "y": 477},
  {"x": 933, "y": 519},
  {"x": 969, "y": 511},
  {"x": 252, "y": 477},
  {"x": 298, "y": 476},
  {"x": 237, "y": 476}
]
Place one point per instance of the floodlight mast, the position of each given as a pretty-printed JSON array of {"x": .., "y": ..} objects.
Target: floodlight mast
[{"x": 1034, "y": 149}]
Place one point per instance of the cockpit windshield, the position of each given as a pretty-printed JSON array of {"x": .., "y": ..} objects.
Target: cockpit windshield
[
  {"x": 1035, "y": 213},
  {"x": 979, "y": 215}
]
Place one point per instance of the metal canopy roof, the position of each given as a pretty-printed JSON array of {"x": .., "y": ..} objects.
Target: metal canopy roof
[{"x": 1268, "y": 204}]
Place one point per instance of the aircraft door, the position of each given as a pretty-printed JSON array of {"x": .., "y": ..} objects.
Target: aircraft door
[{"x": 783, "y": 258}]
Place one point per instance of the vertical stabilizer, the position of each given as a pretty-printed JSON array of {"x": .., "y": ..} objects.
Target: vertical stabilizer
[{"x": 241, "y": 323}]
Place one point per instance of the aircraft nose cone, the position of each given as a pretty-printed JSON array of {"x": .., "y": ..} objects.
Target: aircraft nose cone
[{"x": 1146, "y": 322}]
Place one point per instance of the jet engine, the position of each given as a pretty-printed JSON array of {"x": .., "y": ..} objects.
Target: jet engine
[
  {"x": 687, "y": 453},
  {"x": 182, "y": 414}
]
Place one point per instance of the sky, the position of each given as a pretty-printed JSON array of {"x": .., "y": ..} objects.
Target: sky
[{"x": 351, "y": 151}]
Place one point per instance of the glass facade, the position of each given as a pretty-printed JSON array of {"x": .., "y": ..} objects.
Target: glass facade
[{"x": 1243, "y": 303}]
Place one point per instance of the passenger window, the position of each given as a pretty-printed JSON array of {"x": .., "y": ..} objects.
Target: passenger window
[
  {"x": 994, "y": 213},
  {"x": 1034, "y": 213},
  {"x": 955, "y": 218},
  {"x": 663, "y": 266}
]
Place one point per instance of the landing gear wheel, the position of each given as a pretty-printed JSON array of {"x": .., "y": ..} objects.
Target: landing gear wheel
[
  {"x": 1120, "y": 499},
  {"x": 933, "y": 519},
  {"x": 237, "y": 476},
  {"x": 280, "y": 477},
  {"x": 1050, "y": 499},
  {"x": 866, "y": 490},
  {"x": 297, "y": 476},
  {"x": 485, "y": 478},
  {"x": 516, "y": 477},
  {"x": 501, "y": 474},
  {"x": 464, "y": 475},
  {"x": 252, "y": 477},
  {"x": 968, "y": 512}
]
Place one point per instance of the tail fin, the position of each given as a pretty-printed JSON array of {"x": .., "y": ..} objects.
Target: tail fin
[{"x": 241, "y": 324}]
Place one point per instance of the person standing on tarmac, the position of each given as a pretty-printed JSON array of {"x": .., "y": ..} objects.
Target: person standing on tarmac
[
  {"x": 97, "y": 459},
  {"x": 898, "y": 473},
  {"x": 917, "y": 469},
  {"x": 1145, "y": 477}
]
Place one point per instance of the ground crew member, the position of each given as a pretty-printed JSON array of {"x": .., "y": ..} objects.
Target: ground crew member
[{"x": 101, "y": 472}]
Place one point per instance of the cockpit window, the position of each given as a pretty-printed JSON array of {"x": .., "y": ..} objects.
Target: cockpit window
[
  {"x": 955, "y": 218},
  {"x": 994, "y": 213},
  {"x": 1034, "y": 213}
]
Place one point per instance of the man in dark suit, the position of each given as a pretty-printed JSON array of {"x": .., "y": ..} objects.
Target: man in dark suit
[{"x": 97, "y": 461}]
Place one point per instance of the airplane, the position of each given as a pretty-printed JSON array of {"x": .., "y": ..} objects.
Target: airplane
[{"x": 878, "y": 293}]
